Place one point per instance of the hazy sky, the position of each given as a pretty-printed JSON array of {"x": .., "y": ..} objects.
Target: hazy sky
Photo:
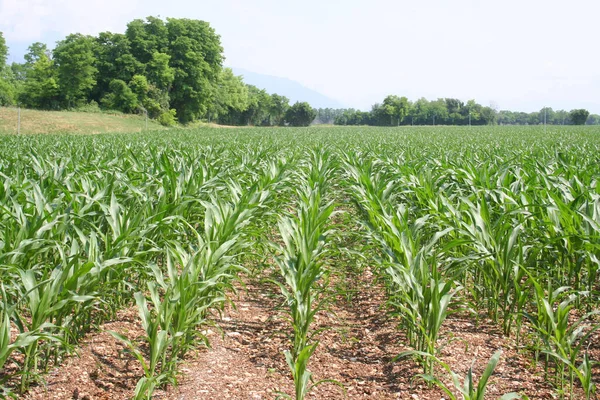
[{"x": 515, "y": 54}]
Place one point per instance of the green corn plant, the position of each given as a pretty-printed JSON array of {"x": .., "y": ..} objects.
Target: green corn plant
[
  {"x": 44, "y": 300},
  {"x": 171, "y": 325},
  {"x": 304, "y": 237},
  {"x": 540, "y": 319},
  {"x": 417, "y": 289},
  {"x": 563, "y": 227},
  {"x": 22, "y": 341},
  {"x": 562, "y": 340},
  {"x": 157, "y": 370},
  {"x": 468, "y": 389},
  {"x": 191, "y": 292},
  {"x": 501, "y": 256},
  {"x": 5, "y": 342},
  {"x": 105, "y": 209},
  {"x": 193, "y": 283},
  {"x": 300, "y": 268},
  {"x": 584, "y": 373}
]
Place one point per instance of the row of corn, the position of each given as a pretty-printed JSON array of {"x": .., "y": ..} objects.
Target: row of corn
[
  {"x": 512, "y": 236},
  {"x": 464, "y": 220}
]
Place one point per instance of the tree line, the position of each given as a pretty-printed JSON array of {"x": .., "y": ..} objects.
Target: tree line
[
  {"x": 171, "y": 70},
  {"x": 395, "y": 111},
  {"x": 549, "y": 116}
]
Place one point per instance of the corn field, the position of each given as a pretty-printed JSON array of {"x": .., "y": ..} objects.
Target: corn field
[{"x": 497, "y": 224}]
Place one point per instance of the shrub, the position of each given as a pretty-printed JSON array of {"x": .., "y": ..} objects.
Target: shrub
[{"x": 168, "y": 118}]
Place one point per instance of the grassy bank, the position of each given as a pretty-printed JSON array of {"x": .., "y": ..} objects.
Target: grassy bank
[{"x": 34, "y": 121}]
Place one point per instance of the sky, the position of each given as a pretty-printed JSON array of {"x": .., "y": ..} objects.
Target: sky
[{"x": 511, "y": 54}]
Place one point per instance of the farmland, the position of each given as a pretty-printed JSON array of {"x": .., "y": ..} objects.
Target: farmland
[{"x": 377, "y": 262}]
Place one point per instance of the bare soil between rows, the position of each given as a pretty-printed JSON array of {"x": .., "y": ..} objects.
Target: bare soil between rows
[{"x": 245, "y": 360}]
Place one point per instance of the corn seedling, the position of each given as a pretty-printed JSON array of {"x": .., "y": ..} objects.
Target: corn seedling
[
  {"x": 468, "y": 388},
  {"x": 304, "y": 238}
]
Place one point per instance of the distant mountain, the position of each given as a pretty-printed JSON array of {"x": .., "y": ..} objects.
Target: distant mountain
[{"x": 288, "y": 88}]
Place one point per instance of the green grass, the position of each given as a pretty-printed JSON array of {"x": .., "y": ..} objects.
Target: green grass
[{"x": 44, "y": 122}]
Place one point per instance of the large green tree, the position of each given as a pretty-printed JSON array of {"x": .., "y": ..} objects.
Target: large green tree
[
  {"x": 121, "y": 97},
  {"x": 439, "y": 112},
  {"x": 257, "y": 112},
  {"x": 561, "y": 117},
  {"x": 579, "y": 116},
  {"x": 456, "y": 112},
  {"x": 75, "y": 61},
  {"x": 196, "y": 57},
  {"x": 230, "y": 99},
  {"x": 421, "y": 113},
  {"x": 300, "y": 114},
  {"x": 393, "y": 109},
  {"x": 488, "y": 116},
  {"x": 19, "y": 71},
  {"x": 152, "y": 100},
  {"x": 114, "y": 61},
  {"x": 8, "y": 90},
  {"x": 159, "y": 72},
  {"x": 41, "y": 88},
  {"x": 147, "y": 37},
  {"x": 472, "y": 112},
  {"x": 547, "y": 115},
  {"x": 36, "y": 51},
  {"x": 279, "y": 106}
]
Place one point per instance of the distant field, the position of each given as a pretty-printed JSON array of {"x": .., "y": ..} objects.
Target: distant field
[{"x": 33, "y": 121}]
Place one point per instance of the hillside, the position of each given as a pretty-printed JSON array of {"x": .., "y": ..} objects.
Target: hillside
[
  {"x": 33, "y": 121},
  {"x": 288, "y": 88}
]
